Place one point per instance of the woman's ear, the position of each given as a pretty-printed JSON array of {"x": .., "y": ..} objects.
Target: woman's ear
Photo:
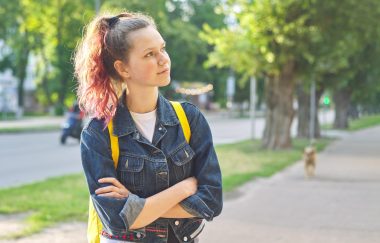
[{"x": 121, "y": 69}]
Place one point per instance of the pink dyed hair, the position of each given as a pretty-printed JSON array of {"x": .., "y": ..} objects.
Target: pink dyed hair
[{"x": 105, "y": 41}]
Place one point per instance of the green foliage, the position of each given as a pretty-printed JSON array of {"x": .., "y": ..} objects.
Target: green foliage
[
  {"x": 335, "y": 43},
  {"x": 50, "y": 30}
]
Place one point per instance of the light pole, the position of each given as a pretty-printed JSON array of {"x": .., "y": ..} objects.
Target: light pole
[
  {"x": 230, "y": 91},
  {"x": 97, "y": 6},
  {"x": 2, "y": 92},
  {"x": 253, "y": 105},
  {"x": 312, "y": 113}
]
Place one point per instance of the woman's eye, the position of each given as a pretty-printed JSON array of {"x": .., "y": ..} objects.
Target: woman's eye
[{"x": 149, "y": 54}]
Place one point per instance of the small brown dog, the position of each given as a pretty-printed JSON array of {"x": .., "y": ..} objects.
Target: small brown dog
[{"x": 310, "y": 156}]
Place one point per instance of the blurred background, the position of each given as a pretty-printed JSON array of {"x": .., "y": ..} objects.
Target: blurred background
[
  {"x": 271, "y": 76},
  {"x": 226, "y": 55}
]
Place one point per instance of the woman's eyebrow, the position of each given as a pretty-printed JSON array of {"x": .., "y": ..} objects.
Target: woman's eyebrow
[{"x": 151, "y": 48}]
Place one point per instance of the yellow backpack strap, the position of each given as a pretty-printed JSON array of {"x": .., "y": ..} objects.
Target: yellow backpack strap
[
  {"x": 182, "y": 119},
  {"x": 114, "y": 144},
  {"x": 94, "y": 226}
]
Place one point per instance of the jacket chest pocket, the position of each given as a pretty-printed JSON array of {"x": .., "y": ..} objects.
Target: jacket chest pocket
[
  {"x": 131, "y": 174},
  {"x": 182, "y": 161}
]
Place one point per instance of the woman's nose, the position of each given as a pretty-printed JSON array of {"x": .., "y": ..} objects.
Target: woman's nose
[{"x": 163, "y": 59}]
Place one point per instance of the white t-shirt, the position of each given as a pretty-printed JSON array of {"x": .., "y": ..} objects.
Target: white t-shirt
[{"x": 145, "y": 123}]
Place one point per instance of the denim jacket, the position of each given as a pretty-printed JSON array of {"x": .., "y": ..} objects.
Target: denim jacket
[{"x": 146, "y": 168}]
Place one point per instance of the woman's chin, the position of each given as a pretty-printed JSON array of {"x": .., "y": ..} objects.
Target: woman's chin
[{"x": 164, "y": 82}]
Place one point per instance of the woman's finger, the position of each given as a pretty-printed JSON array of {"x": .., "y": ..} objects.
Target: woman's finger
[
  {"x": 124, "y": 192},
  {"x": 112, "y": 180},
  {"x": 111, "y": 194},
  {"x": 106, "y": 189}
]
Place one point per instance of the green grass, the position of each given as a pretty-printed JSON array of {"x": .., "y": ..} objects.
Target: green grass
[
  {"x": 328, "y": 126},
  {"x": 5, "y": 116},
  {"x": 364, "y": 122},
  {"x": 10, "y": 116},
  {"x": 35, "y": 114},
  {"x": 51, "y": 201},
  {"x": 30, "y": 129},
  {"x": 243, "y": 161},
  {"x": 357, "y": 124},
  {"x": 66, "y": 198}
]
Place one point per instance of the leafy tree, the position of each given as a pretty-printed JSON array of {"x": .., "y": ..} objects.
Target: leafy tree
[
  {"x": 353, "y": 29},
  {"x": 16, "y": 44},
  {"x": 292, "y": 42},
  {"x": 49, "y": 30},
  {"x": 265, "y": 42}
]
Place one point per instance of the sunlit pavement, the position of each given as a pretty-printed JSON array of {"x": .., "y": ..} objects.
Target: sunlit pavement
[{"x": 339, "y": 205}]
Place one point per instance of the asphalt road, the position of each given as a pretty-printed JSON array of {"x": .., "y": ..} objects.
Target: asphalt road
[{"x": 30, "y": 157}]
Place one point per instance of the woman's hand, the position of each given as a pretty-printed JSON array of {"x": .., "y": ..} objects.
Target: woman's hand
[{"x": 117, "y": 190}]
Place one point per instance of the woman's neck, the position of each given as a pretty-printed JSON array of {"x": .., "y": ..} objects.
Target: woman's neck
[{"x": 142, "y": 101}]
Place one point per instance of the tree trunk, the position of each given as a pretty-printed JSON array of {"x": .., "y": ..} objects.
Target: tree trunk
[
  {"x": 60, "y": 52},
  {"x": 303, "y": 114},
  {"x": 61, "y": 60},
  {"x": 280, "y": 112},
  {"x": 21, "y": 66},
  {"x": 44, "y": 81},
  {"x": 341, "y": 99},
  {"x": 353, "y": 111}
]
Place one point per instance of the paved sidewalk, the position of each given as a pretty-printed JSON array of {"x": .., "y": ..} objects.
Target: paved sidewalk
[
  {"x": 30, "y": 122},
  {"x": 340, "y": 205}
]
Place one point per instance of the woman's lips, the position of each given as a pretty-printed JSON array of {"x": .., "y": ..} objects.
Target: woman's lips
[{"x": 164, "y": 71}]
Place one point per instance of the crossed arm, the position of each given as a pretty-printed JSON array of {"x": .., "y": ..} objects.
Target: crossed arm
[{"x": 153, "y": 207}]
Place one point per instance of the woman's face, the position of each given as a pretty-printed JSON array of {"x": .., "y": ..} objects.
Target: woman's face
[{"x": 148, "y": 62}]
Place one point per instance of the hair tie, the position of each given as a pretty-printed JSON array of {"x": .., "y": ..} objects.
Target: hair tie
[{"x": 112, "y": 21}]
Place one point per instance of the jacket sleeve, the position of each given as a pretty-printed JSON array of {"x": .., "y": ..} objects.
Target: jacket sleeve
[
  {"x": 208, "y": 200},
  {"x": 116, "y": 214}
]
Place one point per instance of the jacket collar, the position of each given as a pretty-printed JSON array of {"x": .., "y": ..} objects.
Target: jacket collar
[{"x": 123, "y": 123}]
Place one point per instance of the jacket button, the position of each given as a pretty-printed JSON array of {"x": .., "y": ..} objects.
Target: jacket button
[
  {"x": 185, "y": 238},
  {"x": 160, "y": 128},
  {"x": 176, "y": 222},
  {"x": 126, "y": 164},
  {"x": 163, "y": 173}
]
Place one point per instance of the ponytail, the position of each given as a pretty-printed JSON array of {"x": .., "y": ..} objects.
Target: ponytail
[{"x": 96, "y": 94}]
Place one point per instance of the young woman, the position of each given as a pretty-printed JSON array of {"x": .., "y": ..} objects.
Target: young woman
[{"x": 163, "y": 187}]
